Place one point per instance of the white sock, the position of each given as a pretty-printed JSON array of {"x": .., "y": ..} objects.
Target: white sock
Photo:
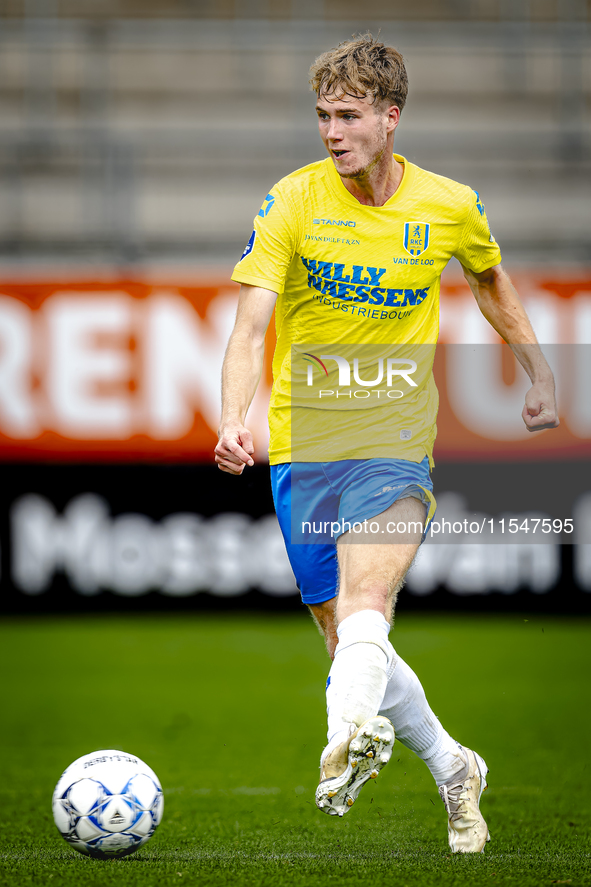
[
  {"x": 358, "y": 677},
  {"x": 415, "y": 725}
]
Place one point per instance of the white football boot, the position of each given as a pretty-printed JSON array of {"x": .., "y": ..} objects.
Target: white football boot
[
  {"x": 346, "y": 768},
  {"x": 467, "y": 830}
]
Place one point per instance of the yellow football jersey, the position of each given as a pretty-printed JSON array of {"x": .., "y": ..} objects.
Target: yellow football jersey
[{"x": 357, "y": 314}]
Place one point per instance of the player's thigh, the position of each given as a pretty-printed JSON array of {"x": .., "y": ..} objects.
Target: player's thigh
[{"x": 370, "y": 571}]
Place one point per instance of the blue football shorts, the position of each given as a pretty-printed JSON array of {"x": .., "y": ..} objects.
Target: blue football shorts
[{"x": 348, "y": 492}]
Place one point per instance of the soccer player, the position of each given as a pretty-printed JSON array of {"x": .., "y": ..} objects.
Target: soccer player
[{"x": 349, "y": 251}]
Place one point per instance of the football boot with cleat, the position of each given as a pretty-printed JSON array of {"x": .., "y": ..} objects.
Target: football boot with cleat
[
  {"x": 467, "y": 830},
  {"x": 345, "y": 769}
]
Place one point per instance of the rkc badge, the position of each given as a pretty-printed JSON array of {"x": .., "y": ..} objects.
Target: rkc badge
[{"x": 416, "y": 237}]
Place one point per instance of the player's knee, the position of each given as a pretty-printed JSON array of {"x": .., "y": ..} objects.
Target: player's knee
[{"x": 365, "y": 588}]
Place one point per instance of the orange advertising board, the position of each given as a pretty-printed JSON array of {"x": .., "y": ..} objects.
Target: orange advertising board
[
  {"x": 129, "y": 369},
  {"x": 482, "y": 388}
]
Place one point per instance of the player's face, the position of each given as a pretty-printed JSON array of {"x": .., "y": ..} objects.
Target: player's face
[{"x": 355, "y": 132}]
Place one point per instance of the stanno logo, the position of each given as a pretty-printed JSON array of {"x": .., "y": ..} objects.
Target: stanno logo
[{"x": 338, "y": 222}]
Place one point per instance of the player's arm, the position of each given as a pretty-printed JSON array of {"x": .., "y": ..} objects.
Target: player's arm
[
  {"x": 502, "y": 307},
  {"x": 241, "y": 372}
]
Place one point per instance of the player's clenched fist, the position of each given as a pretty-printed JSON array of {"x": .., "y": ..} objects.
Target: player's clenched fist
[
  {"x": 540, "y": 410},
  {"x": 234, "y": 449}
]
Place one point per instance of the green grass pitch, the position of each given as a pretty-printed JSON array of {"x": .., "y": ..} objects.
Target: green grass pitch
[{"x": 229, "y": 712}]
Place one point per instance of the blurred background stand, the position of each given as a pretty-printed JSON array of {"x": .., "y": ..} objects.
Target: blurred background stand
[
  {"x": 138, "y": 138},
  {"x": 150, "y": 132}
]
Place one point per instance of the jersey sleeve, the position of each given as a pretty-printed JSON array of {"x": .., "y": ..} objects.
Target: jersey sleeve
[
  {"x": 271, "y": 247},
  {"x": 478, "y": 250}
]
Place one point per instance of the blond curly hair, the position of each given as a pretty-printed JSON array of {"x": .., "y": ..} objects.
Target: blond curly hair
[{"x": 359, "y": 67}]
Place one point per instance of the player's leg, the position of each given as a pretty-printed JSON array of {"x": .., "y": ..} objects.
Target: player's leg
[
  {"x": 324, "y": 616},
  {"x": 315, "y": 568},
  {"x": 359, "y": 741},
  {"x": 369, "y": 575},
  {"x": 404, "y": 703},
  {"x": 459, "y": 772},
  {"x": 356, "y": 682}
]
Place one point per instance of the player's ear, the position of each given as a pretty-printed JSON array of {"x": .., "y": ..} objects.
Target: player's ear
[{"x": 393, "y": 117}]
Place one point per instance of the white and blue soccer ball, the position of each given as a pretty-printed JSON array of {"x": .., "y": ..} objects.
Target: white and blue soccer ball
[{"x": 107, "y": 804}]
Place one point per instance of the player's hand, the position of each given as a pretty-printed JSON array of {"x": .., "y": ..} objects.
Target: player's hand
[
  {"x": 234, "y": 449},
  {"x": 540, "y": 410}
]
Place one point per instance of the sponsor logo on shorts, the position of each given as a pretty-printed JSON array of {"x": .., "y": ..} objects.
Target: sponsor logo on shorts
[{"x": 388, "y": 490}]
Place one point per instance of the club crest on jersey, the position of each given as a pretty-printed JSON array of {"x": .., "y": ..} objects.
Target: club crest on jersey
[{"x": 416, "y": 237}]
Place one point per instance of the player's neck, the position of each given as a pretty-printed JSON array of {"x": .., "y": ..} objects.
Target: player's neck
[{"x": 379, "y": 185}]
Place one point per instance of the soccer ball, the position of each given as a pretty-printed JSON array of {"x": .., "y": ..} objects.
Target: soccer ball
[{"x": 107, "y": 804}]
